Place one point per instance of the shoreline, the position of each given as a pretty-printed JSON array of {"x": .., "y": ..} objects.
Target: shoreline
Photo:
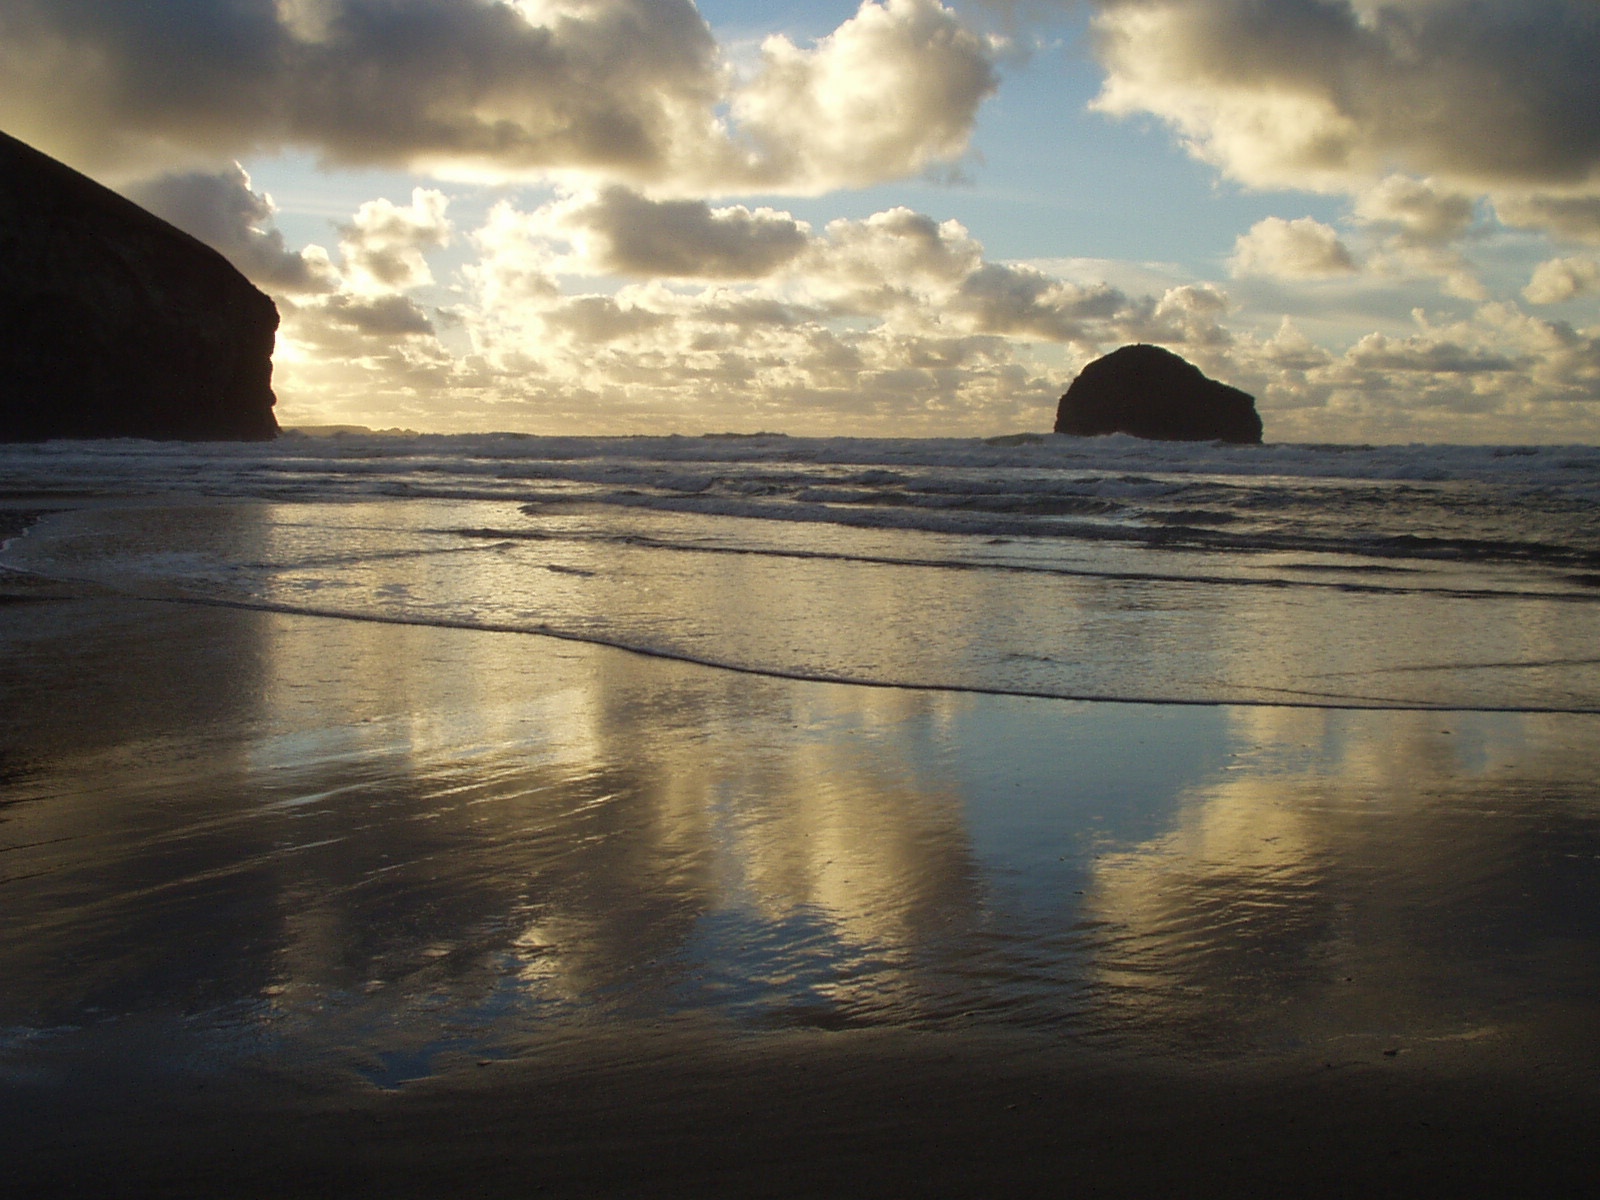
[
  {"x": 641, "y": 927},
  {"x": 19, "y": 584}
]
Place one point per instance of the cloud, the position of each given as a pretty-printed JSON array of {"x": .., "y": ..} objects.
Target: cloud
[
  {"x": 896, "y": 323},
  {"x": 635, "y": 91},
  {"x": 1497, "y": 375},
  {"x": 618, "y": 231},
  {"x": 890, "y": 321},
  {"x": 1562, "y": 279},
  {"x": 591, "y": 320},
  {"x": 1187, "y": 315},
  {"x": 515, "y": 259},
  {"x": 383, "y": 245},
  {"x": 1333, "y": 95},
  {"x": 376, "y": 316},
  {"x": 220, "y": 209},
  {"x": 1299, "y": 249},
  {"x": 1424, "y": 353},
  {"x": 915, "y": 272},
  {"x": 874, "y": 263},
  {"x": 1417, "y": 210},
  {"x": 1022, "y": 301},
  {"x": 1576, "y": 217},
  {"x": 1290, "y": 350},
  {"x": 891, "y": 92},
  {"x": 393, "y": 82}
]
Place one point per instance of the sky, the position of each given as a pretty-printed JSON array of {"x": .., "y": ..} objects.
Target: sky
[{"x": 864, "y": 217}]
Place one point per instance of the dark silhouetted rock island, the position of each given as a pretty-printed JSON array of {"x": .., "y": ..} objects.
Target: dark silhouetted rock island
[
  {"x": 1153, "y": 393},
  {"x": 115, "y": 324}
]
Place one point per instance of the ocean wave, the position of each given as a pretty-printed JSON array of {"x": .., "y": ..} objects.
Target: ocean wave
[{"x": 1536, "y": 505}]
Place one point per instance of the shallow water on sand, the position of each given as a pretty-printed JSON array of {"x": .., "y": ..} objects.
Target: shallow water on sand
[
  {"x": 232, "y": 835},
  {"x": 1075, "y": 619}
]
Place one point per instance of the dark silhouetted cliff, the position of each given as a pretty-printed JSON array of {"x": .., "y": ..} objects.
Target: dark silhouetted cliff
[{"x": 115, "y": 324}]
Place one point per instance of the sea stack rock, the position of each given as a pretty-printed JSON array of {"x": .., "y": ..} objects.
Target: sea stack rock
[
  {"x": 1150, "y": 392},
  {"x": 115, "y": 324}
]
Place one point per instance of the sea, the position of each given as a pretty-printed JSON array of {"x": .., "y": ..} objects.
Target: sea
[
  {"x": 1461, "y": 577},
  {"x": 378, "y": 756}
]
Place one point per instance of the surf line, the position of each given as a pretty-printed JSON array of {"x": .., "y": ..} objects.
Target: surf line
[
  {"x": 508, "y": 537},
  {"x": 1333, "y": 702}
]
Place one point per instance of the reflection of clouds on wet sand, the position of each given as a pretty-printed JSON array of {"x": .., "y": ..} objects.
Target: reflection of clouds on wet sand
[
  {"x": 1355, "y": 875},
  {"x": 353, "y": 834},
  {"x": 489, "y": 824}
]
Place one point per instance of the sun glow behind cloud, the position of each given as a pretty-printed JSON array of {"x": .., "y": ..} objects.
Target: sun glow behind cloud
[{"x": 612, "y": 221}]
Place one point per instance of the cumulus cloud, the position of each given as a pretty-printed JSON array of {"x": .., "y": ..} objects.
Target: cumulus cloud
[
  {"x": 590, "y": 320},
  {"x": 896, "y": 316},
  {"x": 891, "y": 92},
  {"x": 1576, "y": 217},
  {"x": 534, "y": 84},
  {"x": 1300, "y": 249},
  {"x": 618, "y": 231},
  {"x": 515, "y": 259},
  {"x": 897, "y": 252},
  {"x": 1494, "y": 375},
  {"x": 1291, "y": 351},
  {"x": 1483, "y": 95},
  {"x": 897, "y": 322},
  {"x": 1562, "y": 279},
  {"x": 375, "y": 316},
  {"x": 1187, "y": 315},
  {"x": 384, "y": 245},
  {"x": 220, "y": 209},
  {"x": 628, "y": 90},
  {"x": 906, "y": 268},
  {"x": 1023, "y": 301},
  {"x": 1417, "y": 210},
  {"x": 1424, "y": 353}
]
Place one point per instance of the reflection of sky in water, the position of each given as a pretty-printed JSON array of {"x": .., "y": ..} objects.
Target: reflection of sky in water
[{"x": 390, "y": 843}]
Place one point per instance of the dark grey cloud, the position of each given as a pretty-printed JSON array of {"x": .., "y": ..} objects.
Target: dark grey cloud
[
  {"x": 221, "y": 210},
  {"x": 1492, "y": 94},
  {"x": 628, "y": 234},
  {"x": 1575, "y": 217},
  {"x": 591, "y": 320},
  {"x": 362, "y": 81},
  {"x": 1001, "y": 298},
  {"x": 636, "y": 90},
  {"x": 378, "y": 316}
]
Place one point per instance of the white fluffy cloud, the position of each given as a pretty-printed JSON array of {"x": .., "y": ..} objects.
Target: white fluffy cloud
[
  {"x": 384, "y": 246},
  {"x": 626, "y": 90},
  {"x": 891, "y": 92},
  {"x": 1300, "y": 249},
  {"x": 1562, "y": 279}
]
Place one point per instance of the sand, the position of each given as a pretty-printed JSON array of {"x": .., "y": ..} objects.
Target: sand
[
  {"x": 308, "y": 907},
  {"x": 664, "y": 1113}
]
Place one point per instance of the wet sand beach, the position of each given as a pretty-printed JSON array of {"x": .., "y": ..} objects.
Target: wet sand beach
[
  {"x": 307, "y": 906},
  {"x": 658, "y": 1113}
]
